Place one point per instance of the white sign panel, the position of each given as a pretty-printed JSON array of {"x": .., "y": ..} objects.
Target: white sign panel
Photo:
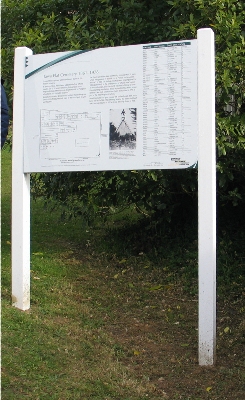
[{"x": 132, "y": 107}]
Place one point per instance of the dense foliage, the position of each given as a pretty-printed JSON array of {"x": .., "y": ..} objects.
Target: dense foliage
[{"x": 58, "y": 25}]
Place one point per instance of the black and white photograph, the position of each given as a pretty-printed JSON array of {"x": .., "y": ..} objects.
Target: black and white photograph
[{"x": 123, "y": 133}]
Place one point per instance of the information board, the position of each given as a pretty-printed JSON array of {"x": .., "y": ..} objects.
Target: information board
[
  {"x": 117, "y": 108},
  {"x": 135, "y": 107}
]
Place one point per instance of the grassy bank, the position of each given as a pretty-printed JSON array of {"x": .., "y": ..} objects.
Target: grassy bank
[{"x": 114, "y": 316}]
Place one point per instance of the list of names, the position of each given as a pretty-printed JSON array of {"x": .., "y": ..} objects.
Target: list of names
[{"x": 167, "y": 95}]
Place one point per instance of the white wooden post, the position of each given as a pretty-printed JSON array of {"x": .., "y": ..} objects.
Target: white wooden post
[
  {"x": 206, "y": 197},
  {"x": 20, "y": 192}
]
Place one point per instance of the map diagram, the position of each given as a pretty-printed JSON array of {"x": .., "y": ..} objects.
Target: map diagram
[{"x": 66, "y": 135}]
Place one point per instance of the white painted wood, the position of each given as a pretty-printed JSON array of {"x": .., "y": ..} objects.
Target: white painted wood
[
  {"x": 206, "y": 197},
  {"x": 20, "y": 237}
]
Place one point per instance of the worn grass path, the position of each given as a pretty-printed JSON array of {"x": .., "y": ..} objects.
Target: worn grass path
[{"x": 106, "y": 323}]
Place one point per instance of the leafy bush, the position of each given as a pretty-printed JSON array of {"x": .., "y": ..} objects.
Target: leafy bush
[{"x": 58, "y": 25}]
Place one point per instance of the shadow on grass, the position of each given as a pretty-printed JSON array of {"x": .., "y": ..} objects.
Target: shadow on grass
[{"x": 112, "y": 315}]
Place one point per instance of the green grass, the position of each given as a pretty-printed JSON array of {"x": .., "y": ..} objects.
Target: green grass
[
  {"x": 57, "y": 350},
  {"x": 114, "y": 312}
]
